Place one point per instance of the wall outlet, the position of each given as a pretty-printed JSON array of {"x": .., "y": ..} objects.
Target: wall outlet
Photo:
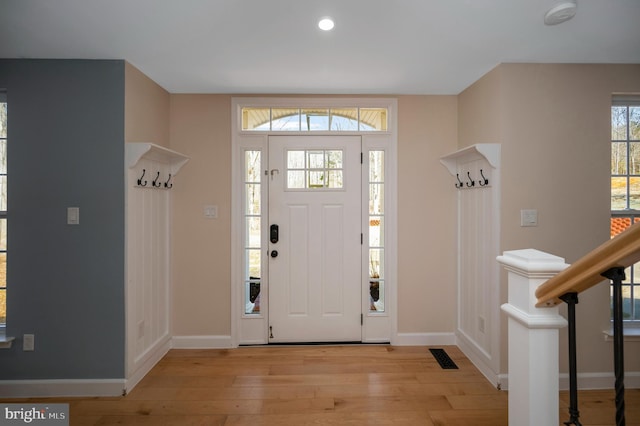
[
  {"x": 28, "y": 342},
  {"x": 481, "y": 324}
]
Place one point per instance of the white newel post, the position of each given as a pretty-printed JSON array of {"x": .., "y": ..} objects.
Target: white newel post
[{"x": 533, "y": 339}]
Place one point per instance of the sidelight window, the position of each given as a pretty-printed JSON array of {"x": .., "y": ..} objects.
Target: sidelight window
[
  {"x": 376, "y": 231},
  {"x": 252, "y": 230}
]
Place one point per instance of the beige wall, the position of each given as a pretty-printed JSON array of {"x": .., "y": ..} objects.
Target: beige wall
[
  {"x": 427, "y": 130},
  {"x": 201, "y": 129},
  {"x": 146, "y": 109},
  {"x": 553, "y": 122}
]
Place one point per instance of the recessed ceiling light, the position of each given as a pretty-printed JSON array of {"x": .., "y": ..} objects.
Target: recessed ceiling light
[
  {"x": 561, "y": 12},
  {"x": 326, "y": 24}
]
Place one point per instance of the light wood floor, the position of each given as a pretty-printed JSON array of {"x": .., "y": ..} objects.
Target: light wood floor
[{"x": 320, "y": 385}]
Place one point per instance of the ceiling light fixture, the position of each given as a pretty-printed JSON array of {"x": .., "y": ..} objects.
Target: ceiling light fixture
[
  {"x": 326, "y": 24},
  {"x": 561, "y": 12}
]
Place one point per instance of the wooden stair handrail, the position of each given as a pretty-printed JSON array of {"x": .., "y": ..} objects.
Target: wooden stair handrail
[{"x": 621, "y": 251}]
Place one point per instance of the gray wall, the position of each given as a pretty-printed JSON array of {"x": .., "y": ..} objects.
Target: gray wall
[{"x": 65, "y": 283}]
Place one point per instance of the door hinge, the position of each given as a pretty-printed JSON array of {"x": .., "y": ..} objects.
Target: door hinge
[
  {"x": 361, "y": 238},
  {"x": 362, "y": 158},
  {"x": 361, "y": 319}
]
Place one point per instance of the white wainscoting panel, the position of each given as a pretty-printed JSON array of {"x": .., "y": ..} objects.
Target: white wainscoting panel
[
  {"x": 151, "y": 170},
  {"x": 476, "y": 171}
]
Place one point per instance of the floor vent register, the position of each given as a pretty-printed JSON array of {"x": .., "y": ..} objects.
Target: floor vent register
[{"x": 443, "y": 359}]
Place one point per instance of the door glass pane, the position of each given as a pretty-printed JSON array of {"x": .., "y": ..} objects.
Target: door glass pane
[
  {"x": 376, "y": 263},
  {"x": 343, "y": 119},
  {"x": 252, "y": 297},
  {"x": 334, "y": 159},
  {"x": 376, "y": 231},
  {"x": 373, "y": 119},
  {"x": 316, "y": 179},
  {"x": 376, "y": 295},
  {"x": 315, "y": 169},
  {"x": 316, "y": 159},
  {"x": 335, "y": 179},
  {"x": 285, "y": 119},
  {"x": 315, "y": 119},
  {"x": 252, "y": 166},
  {"x": 295, "y": 179},
  {"x": 252, "y": 282},
  {"x": 256, "y": 118},
  {"x": 295, "y": 159},
  {"x": 253, "y": 263},
  {"x": 376, "y": 198},
  {"x": 376, "y": 166},
  {"x": 252, "y": 232},
  {"x": 618, "y": 193},
  {"x": 618, "y": 123},
  {"x": 252, "y": 192},
  {"x": 376, "y": 279}
]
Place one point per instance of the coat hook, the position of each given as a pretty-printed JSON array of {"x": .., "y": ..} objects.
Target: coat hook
[
  {"x": 166, "y": 184},
  {"x": 459, "y": 184},
  {"x": 484, "y": 181},
  {"x": 155, "y": 181},
  {"x": 140, "y": 179},
  {"x": 471, "y": 181}
]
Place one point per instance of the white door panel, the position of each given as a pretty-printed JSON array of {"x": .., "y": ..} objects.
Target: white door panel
[{"x": 314, "y": 281}]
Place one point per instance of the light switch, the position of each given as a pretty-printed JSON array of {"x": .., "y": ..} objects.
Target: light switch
[
  {"x": 73, "y": 215},
  {"x": 529, "y": 217},
  {"x": 211, "y": 212}
]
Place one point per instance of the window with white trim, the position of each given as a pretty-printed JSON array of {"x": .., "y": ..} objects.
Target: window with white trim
[
  {"x": 625, "y": 190},
  {"x": 339, "y": 119},
  {"x": 252, "y": 264},
  {"x": 3, "y": 208},
  {"x": 376, "y": 231}
]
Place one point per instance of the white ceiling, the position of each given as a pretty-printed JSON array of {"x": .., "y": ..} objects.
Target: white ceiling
[{"x": 274, "y": 46}]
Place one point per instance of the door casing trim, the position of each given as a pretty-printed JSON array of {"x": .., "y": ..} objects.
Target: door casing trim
[{"x": 241, "y": 139}]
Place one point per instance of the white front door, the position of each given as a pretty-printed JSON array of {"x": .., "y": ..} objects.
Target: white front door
[{"x": 315, "y": 258}]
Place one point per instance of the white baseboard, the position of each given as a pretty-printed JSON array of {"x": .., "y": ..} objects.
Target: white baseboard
[
  {"x": 142, "y": 365},
  {"x": 479, "y": 359},
  {"x": 424, "y": 339},
  {"x": 61, "y": 388},
  {"x": 601, "y": 380},
  {"x": 590, "y": 381},
  {"x": 201, "y": 342}
]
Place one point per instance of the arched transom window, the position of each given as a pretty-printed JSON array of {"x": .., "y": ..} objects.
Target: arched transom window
[{"x": 314, "y": 119}]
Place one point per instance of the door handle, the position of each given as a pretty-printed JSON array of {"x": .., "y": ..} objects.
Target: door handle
[{"x": 273, "y": 234}]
